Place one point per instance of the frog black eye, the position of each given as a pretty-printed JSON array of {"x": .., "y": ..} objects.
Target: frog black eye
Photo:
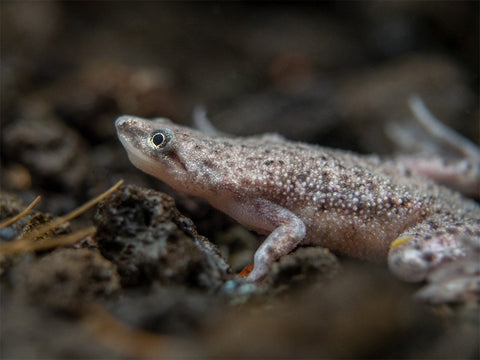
[{"x": 160, "y": 139}]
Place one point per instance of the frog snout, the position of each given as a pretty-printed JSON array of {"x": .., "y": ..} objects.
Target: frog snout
[{"x": 122, "y": 122}]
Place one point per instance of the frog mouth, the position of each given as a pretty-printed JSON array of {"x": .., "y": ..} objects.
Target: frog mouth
[{"x": 130, "y": 133}]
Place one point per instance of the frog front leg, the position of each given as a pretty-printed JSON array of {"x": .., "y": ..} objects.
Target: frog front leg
[
  {"x": 288, "y": 233},
  {"x": 285, "y": 229}
]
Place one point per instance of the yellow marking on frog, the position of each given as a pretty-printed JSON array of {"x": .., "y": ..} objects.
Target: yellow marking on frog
[{"x": 400, "y": 241}]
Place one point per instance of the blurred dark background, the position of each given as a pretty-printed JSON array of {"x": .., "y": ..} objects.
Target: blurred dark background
[{"x": 332, "y": 73}]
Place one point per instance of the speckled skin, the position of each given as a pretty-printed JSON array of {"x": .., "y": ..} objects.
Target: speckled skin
[{"x": 300, "y": 193}]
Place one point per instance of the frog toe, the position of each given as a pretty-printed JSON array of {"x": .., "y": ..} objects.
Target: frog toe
[{"x": 408, "y": 264}]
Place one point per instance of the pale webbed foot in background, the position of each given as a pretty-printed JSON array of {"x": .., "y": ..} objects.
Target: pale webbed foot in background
[{"x": 440, "y": 153}]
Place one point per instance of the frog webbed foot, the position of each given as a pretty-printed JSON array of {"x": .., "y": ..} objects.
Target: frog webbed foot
[
  {"x": 447, "y": 262},
  {"x": 413, "y": 255},
  {"x": 457, "y": 281}
]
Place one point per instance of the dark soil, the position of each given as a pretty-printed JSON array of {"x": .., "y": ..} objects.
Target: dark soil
[{"x": 154, "y": 283}]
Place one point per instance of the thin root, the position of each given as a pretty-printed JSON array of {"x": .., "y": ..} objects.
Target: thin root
[
  {"x": 20, "y": 215},
  {"x": 42, "y": 229},
  {"x": 26, "y": 245}
]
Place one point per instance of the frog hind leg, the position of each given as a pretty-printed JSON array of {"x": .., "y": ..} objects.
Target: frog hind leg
[
  {"x": 428, "y": 245},
  {"x": 457, "y": 281},
  {"x": 288, "y": 232}
]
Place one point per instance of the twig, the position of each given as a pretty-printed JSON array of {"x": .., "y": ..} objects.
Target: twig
[
  {"x": 42, "y": 229},
  {"x": 26, "y": 245},
  {"x": 20, "y": 215}
]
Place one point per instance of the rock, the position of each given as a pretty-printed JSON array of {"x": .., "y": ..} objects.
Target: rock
[
  {"x": 144, "y": 234},
  {"x": 303, "y": 266},
  {"x": 54, "y": 153},
  {"x": 67, "y": 278}
]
